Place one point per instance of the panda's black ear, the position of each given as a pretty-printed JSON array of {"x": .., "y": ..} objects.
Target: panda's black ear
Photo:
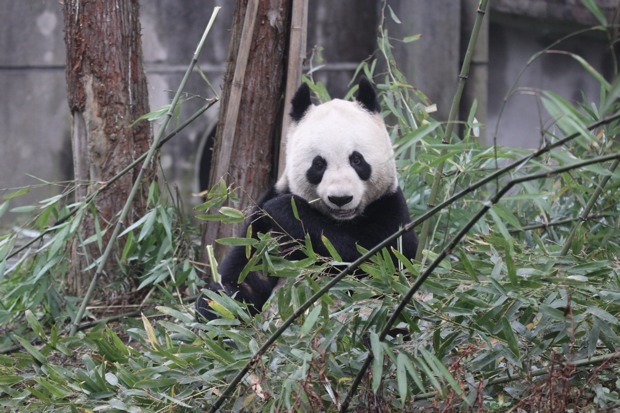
[
  {"x": 301, "y": 102},
  {"x": 367, "y": 96}
]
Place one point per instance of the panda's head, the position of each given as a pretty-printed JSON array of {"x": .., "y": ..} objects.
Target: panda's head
[{"x": 339, "y": 156}]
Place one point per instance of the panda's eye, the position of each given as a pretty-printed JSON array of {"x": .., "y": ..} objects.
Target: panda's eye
[
  {"x": 314, "y": 174},
  {"x": 319, "y": 163},
  {"x": 360, "y": 165}
]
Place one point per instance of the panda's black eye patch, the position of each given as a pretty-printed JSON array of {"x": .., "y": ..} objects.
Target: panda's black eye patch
[
  {"x": 314, "y": 175},
  {"x": 359, "y": 164}
]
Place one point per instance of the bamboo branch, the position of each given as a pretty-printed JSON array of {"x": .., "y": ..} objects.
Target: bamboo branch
[
  {"x": 108, "y": 183},
  {"x": 450, "y": 247},
  {"x": 432, "y": 198},
  {"x": 137, "y": 183},
  {"x": 587, "y": 209},
  {"x": 558, "y": 222}
]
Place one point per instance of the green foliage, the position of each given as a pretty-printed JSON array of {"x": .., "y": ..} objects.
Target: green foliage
[{"x": 518, "y": 308}]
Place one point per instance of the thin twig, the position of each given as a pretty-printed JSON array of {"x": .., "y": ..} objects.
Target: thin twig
[
  {"x": 137, "y": 183},
  {"x": 547, "y": 225}
]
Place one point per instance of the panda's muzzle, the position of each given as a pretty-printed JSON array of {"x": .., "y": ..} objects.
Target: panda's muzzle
[
  {"x": 342, "y": 214},
  {"x": 336, "y": 207},
  {"x": 340, "y": 201}
]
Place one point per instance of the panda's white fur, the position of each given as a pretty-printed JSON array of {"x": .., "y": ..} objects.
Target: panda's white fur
[
  {"x": 340, "y": 175},
  {"x": 334, "y": 130}
]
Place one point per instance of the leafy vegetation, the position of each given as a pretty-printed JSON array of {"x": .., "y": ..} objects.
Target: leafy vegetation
[{"x": 516, "y": 298}]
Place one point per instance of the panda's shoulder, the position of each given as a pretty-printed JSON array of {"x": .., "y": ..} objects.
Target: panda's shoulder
[
  {"x": 271, "y": 193},
  {"x": 392, "y": 203}
]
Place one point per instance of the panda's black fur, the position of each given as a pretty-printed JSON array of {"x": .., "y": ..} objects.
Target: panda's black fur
[{"x": 377, "y": 220}]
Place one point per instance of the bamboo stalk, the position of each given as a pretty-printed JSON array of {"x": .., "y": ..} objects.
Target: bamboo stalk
[
  {"x": 137, "y": 183},
  {"x": 450, "y": 247},
  {"x": 454, "y": 109}
]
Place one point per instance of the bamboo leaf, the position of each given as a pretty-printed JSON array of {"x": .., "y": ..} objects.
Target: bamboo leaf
[
  {"x": 401, "y": 377},
  {"x": 603, "y": 315},
  {"x": 510, "y": 337},
  {"x": 412, "y": 38},
  {"x": 442, "y": 371},
  {"x": 294, "y": 207},
  {"x": 3, "y": 208},
  {"x": 377, "y": 361},
  {"x": 137, "y": 223},
  {"x": 311, "y": 320},
  {"x": 393, "y": 16},
  {"x": 591, "y": 70},
  {"x": 56, "y": 390},
  {"x": 595, "y": 10},
  {"x": 33, "y": 351},
  {"x": 237, "y": 242},
  {"x": 34, "y": 324},
  {"x": 232, "y": 213},
  {"x": 17, "y": 193},
  {"x": 9, "y": 380},
  {"x": 331, "y": 249},
  {"x": 424, "y": 364},
  {"x": 154, "y": 115},
  {"x": 150, "y": 331},
  {"x": 147, "y": 228},
  {"x": 23, "y": 209}
]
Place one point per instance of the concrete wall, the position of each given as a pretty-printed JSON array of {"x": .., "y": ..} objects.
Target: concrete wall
[
  {"x": 34, "y": 118},
  {"x": 33, "y": 122},
  {"x": 512, "y": 43}
]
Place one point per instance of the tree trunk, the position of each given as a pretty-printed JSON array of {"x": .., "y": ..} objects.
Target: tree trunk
[
  {"x": 107, "y": 91},
  {"x": 246, "y": 141}
]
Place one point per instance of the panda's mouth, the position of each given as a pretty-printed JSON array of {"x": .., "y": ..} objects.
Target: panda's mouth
[{"x": 343, "y": 214}]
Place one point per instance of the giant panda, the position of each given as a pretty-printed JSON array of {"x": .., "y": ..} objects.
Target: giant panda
[{"x": 341, "y": 175}]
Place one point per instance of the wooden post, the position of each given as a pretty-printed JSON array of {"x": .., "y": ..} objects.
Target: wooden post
[
  {"x": 296, "y": 57},
  {"x": 251, "y": 106}
]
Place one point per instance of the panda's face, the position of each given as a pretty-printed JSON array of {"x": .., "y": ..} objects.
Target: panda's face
[{"x": 339, "y": 158}]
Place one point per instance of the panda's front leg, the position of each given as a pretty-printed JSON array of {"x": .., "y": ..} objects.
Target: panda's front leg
[
  {"x": 254, "y": 291},
  {"x": 295, "y": 218}
]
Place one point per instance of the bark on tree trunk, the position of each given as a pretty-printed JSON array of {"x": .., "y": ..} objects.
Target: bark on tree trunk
[
  {"x": 107, "y": 91},
  {"x": 247, "y": 137}
]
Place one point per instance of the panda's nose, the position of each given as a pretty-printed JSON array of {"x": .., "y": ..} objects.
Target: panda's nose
[{"x": 340, "y": 200}]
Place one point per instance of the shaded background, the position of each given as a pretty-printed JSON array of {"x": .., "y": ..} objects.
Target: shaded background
[{"x": 35, "y": 119}]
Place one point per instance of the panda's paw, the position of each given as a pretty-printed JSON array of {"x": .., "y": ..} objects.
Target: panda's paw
[{"x": 273, "y": 214}]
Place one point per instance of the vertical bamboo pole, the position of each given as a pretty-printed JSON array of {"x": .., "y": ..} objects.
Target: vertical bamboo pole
[{"x": 432, "y": 199}]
